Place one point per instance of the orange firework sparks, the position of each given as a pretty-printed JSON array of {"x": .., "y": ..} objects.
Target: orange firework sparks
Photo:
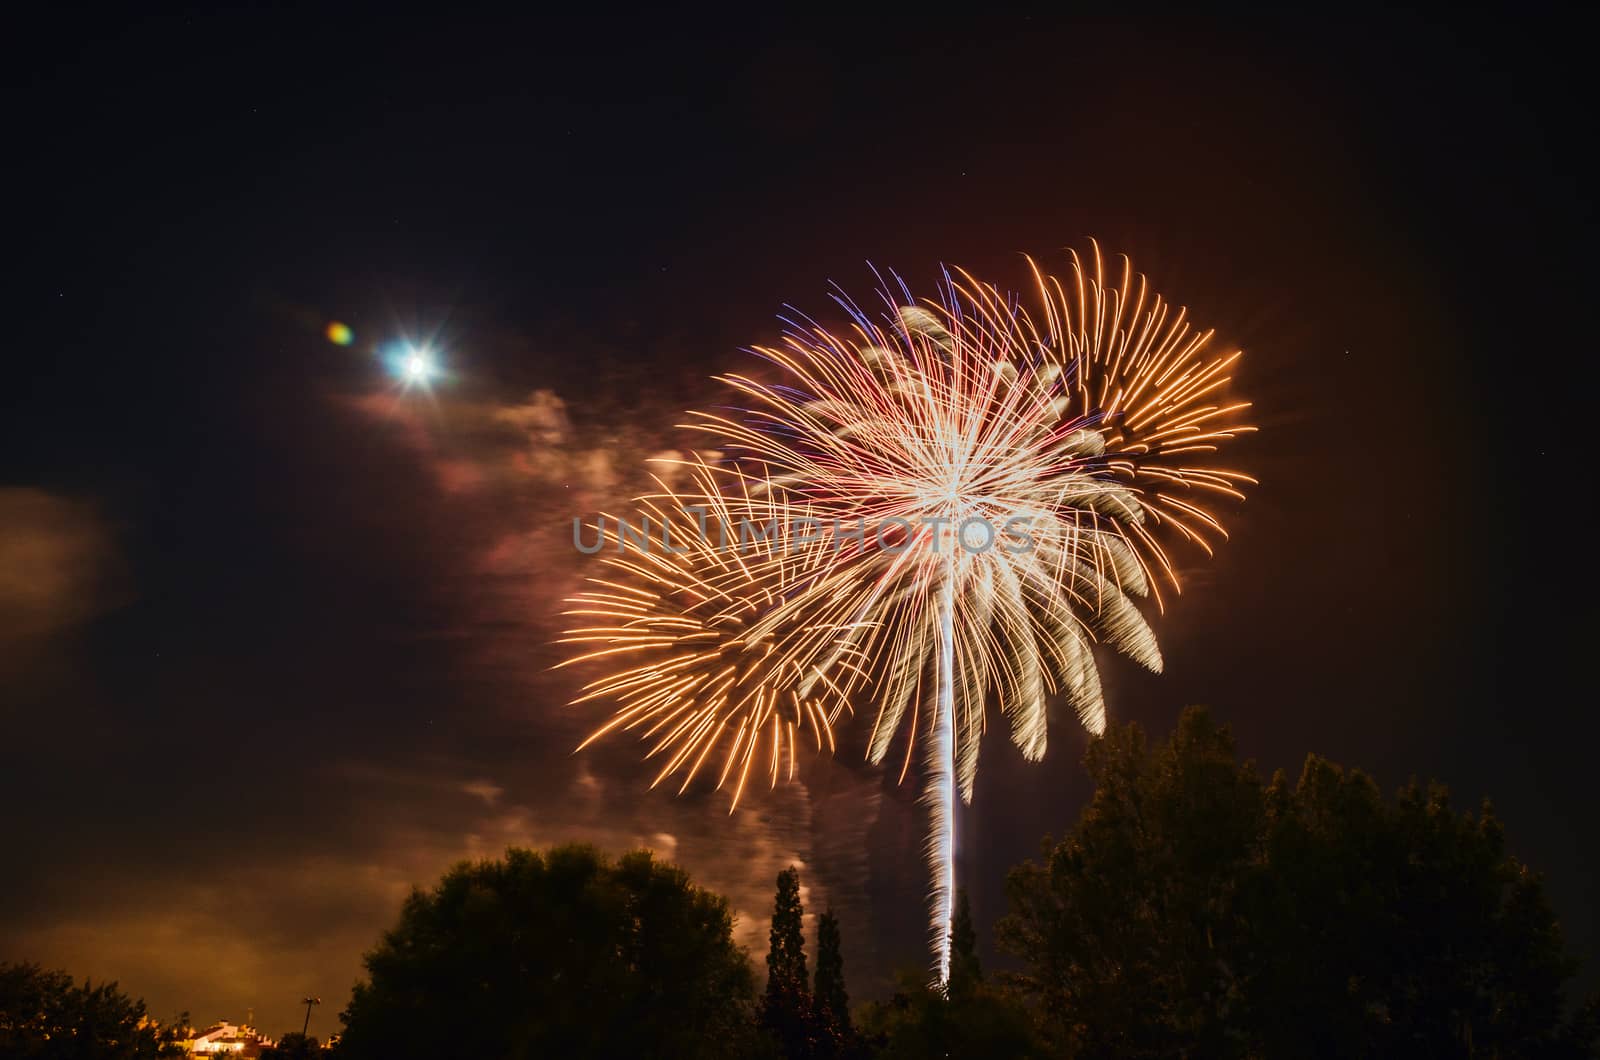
[{"x": 679, "y": 610}]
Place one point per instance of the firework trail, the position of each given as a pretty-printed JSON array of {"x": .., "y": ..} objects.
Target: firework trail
[{"x": 967, "y": 498}]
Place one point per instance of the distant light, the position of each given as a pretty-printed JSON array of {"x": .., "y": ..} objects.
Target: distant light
[
  {"x": 417, "y": 367},
  {"x": 413, "y": 365},
  {"x": 340, "y": 334}
]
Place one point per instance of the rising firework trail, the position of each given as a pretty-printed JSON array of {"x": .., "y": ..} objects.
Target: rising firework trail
[{"x": 966, "y": 496}]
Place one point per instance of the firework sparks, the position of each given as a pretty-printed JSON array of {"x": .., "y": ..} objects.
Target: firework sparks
[
  {"x": 679, "y": 609},
  {"x": 968, "y": 498}
]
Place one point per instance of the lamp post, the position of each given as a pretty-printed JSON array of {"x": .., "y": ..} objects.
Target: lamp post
[{"x": 308, "y": 1002}]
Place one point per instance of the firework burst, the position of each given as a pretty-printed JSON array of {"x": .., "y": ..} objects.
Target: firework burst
[{"x": 966, "y": 497}]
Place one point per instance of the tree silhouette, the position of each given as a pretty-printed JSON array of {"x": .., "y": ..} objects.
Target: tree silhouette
[
  {"x": 560, "y": 953},
  {"x": 293, "y": 1046},
  {"x": 1197, "y": 911},
  {"x": 786, "y": 1009},
  {"x": 46, "y": 1016},
  {"x": 966, "y": 974},
  {"x": 922, "y": 1021},
  {"x": 831, "y": 1001},
  {"x": 966, "y": 1017}
]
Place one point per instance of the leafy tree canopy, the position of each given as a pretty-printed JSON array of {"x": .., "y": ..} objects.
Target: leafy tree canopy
[
  {"x": 555, "y": 953},
  {"x": 46, "y": 1016},
  {"x": 1197, "y": 911}
]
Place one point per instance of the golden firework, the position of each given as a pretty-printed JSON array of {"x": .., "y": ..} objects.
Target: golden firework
[{"x": 965, "y": 497}]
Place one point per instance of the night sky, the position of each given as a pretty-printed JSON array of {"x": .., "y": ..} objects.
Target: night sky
[{"x": 275, "y": 638}]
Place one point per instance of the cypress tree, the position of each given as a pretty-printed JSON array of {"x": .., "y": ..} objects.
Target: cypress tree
[
  {"x": 965, "y": 971},
  {"x": 832, "y": 1002},
  {"x": 786, "y": 1008}
]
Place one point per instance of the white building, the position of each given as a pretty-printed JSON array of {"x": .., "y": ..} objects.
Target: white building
[{"x": 230, "y": 1039}]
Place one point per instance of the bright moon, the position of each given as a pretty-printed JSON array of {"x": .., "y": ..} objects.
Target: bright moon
[{"x": 417, "y": 368}]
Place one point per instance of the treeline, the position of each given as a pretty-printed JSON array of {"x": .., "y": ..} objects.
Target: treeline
[{"x": 1196, "y": 909}]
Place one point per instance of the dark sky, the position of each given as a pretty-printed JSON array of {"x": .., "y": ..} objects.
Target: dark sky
[{"x": 275, "y": 639}]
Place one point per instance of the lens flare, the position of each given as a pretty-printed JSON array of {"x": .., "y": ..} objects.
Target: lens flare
[
  {"x": 339, "y": 334},
  {"x": 1031, "y": 461}
]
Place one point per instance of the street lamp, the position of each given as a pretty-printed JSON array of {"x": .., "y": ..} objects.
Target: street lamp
[{"x": 308, "y": 1002}]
